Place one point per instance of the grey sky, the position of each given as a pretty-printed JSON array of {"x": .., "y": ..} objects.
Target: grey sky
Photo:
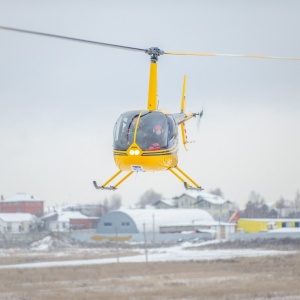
[{"x": 59, "y": 99}]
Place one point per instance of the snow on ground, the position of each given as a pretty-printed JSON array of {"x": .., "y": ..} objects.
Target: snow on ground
[{"x": 183, "y": 252}]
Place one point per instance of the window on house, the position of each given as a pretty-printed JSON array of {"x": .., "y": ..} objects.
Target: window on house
[
  {"x": 125, "y": 224},
  {"x": 107, "y": 224}
]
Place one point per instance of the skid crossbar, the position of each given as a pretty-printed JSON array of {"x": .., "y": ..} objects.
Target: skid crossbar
[
  {"x": 114, "y": 187},
  {"x": 188, "y": 182}
]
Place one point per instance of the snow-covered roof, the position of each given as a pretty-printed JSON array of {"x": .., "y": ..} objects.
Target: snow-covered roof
[
  {"x": 16, "y": 217},
  {"x": 212, "y": 198},
  {"x": 166, "y": 217},
  {"x": 67, "y": 215},
  {"x": 49, "y": 215},
  {"x": 19, "y": 197},
  {"x": 169, "y": 202}
]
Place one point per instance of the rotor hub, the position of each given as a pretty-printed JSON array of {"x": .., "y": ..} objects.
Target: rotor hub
[{"x": 154, "y": 52}]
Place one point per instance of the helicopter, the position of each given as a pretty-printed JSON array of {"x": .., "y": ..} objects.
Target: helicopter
[{"x": 148, "y": 140}]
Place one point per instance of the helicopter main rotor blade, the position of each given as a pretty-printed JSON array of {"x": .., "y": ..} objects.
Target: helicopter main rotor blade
[
  {"x": 153, "y": 51},
  {"x": 230, "y": 55},
  {"x": 74, "y": 39}
]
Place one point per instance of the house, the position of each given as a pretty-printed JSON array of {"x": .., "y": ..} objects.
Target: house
[
  {"x": 90, "y": 210},
  {"x": 22, "y": 203},
  {"x": 186, "y": 200},
  {"x": 17, "y": 222},
  {"x": 68, "y": 220},
  {"x": 165, "y": 204},
  {"x": 220, "y": 208}
]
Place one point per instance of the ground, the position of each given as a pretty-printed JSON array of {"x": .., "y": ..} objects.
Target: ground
[{"x": 273, "y": 276}]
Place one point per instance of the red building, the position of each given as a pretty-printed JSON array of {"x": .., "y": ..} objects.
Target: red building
[
  {"x": 83, "y": 223},
  {"x": 22, "y": 203}
]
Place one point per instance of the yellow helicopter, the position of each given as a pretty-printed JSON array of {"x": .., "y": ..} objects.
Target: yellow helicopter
[{"x": 147, "y": 140}]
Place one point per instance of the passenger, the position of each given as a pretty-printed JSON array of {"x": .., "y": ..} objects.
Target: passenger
[{"x": 156, "y": 138}]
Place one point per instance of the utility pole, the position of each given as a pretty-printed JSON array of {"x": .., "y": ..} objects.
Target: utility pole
[
  {"x": 145, "y": 241},
  {"x": 153, "y": 223},
  {"x": 117, "y": 243}
]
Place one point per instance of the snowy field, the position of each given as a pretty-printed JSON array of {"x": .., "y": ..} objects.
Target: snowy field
[
  {"x": 56, "y": 269},
  {"x": 183, "y": 252}
]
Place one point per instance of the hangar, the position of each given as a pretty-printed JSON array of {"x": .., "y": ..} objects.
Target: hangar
[{"x": 133, "y": 221}]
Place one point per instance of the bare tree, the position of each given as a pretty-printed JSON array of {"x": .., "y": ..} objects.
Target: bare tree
[
  {"x": 217, "y": 192},
  {"x": 148, "y": 198},
  {"x": 280, "y": 205},
  {"x": 115, "y": 202},
  {"x": 255, "y": 207},
  {"x": 297, "y": 204},
  {"x": 105, "y": 206}
]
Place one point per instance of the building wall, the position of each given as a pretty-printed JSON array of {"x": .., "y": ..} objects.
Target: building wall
[
  {"x": 59, "y": 226},
  {"x": 117, "y": 222},
  {"x": 253, "y": 225},
  {"x": 77, "y": 224},
  {"x": 31, "y": 207},
  {"x": 218, "y": 211},
  {"x": 162, "y": 205},
  {"x": 186, "y": 202},
  {"x": 15, "y": 227}
]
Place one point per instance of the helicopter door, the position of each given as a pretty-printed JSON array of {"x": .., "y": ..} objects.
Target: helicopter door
[
  {"x": 124, "y": 130},
  {"x": 173, "y": 132}
]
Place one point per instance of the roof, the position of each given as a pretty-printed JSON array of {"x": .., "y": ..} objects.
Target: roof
[
  {"x": 49, "y": 215},
  {"x": 165, "y": 217},
  {"x": 67, "y": 215},
  {"x": 16, "y": 217},
  {"x": 169, "y": 202},
  {"x": 202, "y": 195},
  {"x": 19, "y": 197}
]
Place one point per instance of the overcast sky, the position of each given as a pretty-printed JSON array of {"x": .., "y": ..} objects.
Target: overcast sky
[{"x": 59, "y": 100}]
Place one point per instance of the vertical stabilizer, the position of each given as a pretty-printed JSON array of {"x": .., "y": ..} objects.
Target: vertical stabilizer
[
  {"x": 182, "y": 126},
  {"x": 183, "y": 94}
]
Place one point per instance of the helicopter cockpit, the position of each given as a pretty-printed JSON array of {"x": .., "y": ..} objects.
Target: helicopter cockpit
[{"x": 150, "y": 130}]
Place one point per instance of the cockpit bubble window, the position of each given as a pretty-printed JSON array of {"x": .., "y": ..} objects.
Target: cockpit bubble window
[
  {"x": 124, "y": 130},
  {"x": 152, "y": 131},
  {"x": 173, "y": 132}
]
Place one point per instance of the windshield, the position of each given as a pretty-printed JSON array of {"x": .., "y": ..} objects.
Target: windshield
[
  {"x": 149, "y": 130},
  {"x": 152, "y": 131}
]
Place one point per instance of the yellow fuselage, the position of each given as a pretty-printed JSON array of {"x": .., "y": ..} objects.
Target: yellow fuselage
[{"x": 159, "y": 160}]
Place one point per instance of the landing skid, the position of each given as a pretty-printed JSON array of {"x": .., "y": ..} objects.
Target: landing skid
[
  {"x": 189, "y": 187},
  {"x": 188, "y": 182},
  {"x": 112, "y": 187}
]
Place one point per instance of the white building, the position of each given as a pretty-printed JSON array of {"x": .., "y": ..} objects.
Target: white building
[
  {"x": 219, "y": 207},
  {"x": 17, "y": 222},
  {"x": 61, "y": 221},
  {"x": 134, "y": 220}
]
